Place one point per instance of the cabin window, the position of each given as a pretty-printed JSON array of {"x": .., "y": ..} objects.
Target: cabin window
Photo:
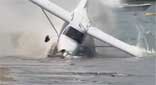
[{"x": 75, "y": 34}]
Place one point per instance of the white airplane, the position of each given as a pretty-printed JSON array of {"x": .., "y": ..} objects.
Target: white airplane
[{"x": 78, "y": 27}]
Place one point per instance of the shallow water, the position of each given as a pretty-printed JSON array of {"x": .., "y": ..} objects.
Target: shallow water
[{"x": 91, "y": 71}]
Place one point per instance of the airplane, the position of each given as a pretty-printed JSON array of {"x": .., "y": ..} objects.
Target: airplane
[{"x": 77, "y": 27}]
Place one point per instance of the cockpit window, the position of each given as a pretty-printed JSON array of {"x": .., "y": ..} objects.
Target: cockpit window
[{"x": 75, "y": 34}]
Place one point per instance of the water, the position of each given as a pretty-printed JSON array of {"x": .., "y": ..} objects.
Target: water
[{"x": 104, "y": 71}]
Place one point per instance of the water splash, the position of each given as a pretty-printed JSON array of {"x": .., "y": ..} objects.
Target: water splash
[
  {"x": 146, "y": 40},
  {"x": 111, "y": 3}
]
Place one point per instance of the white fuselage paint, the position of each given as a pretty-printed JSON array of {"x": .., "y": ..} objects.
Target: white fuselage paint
[{"x": 80, "y": 22}]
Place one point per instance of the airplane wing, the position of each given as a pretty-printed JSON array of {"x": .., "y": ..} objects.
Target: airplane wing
[
  {"x": 102, "y": 36},
  {"x": 54, "y": 9}
]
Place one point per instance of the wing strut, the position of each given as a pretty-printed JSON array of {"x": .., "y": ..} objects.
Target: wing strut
[{"x": 53, "y": 9}]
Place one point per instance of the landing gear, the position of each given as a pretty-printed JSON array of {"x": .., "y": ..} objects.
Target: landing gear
[{"x": 65, "y": 54}]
